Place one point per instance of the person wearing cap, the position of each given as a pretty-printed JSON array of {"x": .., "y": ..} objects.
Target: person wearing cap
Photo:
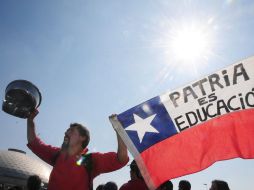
[
  {"x": 137, "y": 182},
  {"x": 73, "y": 168}
]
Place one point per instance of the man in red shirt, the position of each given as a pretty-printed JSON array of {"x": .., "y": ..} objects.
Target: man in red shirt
[
  {"x": 73, "y": 168},
  {"x": 137, "y": 182}
]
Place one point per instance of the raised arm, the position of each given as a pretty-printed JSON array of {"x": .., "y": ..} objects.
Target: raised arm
[
  {"x": 122, "y": 153},
  {"x": 31, "y": 127}
]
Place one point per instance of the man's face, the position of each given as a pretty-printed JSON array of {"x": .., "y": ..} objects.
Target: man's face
[{"x": 72, "y": 138}]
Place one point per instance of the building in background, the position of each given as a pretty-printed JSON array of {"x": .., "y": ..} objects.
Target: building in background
[{"x": 16, "y": 166}]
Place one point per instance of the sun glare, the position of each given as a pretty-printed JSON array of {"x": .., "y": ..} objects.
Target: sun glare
[{"x": 190, "y": 43}]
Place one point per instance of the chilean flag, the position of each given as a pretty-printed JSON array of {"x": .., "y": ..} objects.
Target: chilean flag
[{"x": 188, "y": 129}]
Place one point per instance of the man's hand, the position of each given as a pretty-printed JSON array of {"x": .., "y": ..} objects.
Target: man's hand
[
  {"x": 113, "y": 118},
  {"x": 33, "y": 115},
  {"x": 122, "y": 153}
]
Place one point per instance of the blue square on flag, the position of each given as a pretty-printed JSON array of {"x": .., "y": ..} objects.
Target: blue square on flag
[{"x": 147, "y": 123}]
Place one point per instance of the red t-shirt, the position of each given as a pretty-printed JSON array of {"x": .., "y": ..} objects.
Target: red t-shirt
[
  {"x": 66, "y": 174},
  {"x": 136, "y": 184}
]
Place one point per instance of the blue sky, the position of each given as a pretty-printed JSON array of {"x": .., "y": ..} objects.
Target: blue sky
[{"x": 94, "y": 58}]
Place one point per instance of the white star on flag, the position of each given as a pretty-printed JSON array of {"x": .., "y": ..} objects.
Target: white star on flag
[{"x": 142, "y": 126}]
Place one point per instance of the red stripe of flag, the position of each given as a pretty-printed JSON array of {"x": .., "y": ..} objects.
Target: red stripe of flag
[{"x": 225, "y": 137}]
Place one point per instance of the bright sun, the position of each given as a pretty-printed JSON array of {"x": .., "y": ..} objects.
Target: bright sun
[{"x": 190, "y": 43}]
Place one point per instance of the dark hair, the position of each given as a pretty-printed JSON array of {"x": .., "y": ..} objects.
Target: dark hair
[
  {"x": 83, "y": 131},
  {"x": 100, "y": 187},
  {"x": 34, "y": 182},
  {"x": 110, "y": 186},
  {"x": 135, "y": 169},
  {"x": 168, "y": 185},
  {"x": 184, "y": 185},
  {"x": 221, "y": 185}
]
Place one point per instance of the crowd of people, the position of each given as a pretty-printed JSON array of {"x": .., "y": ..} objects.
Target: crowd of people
[
  {"x": 75, "y": 169},
  {"x": 168, "y": 185},
  {"x": 137, "y": 182}
]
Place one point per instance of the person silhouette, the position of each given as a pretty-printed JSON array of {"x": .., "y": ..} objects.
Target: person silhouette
[
  {"x": 184, "y": 185},
  {"x": 168, "y": 185},
  {"x": 219, "y": 185},
  {"x": 110, "y": 186},
  {"x": 33, "y": 182},
  {"x": 137, "y": 182}
]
